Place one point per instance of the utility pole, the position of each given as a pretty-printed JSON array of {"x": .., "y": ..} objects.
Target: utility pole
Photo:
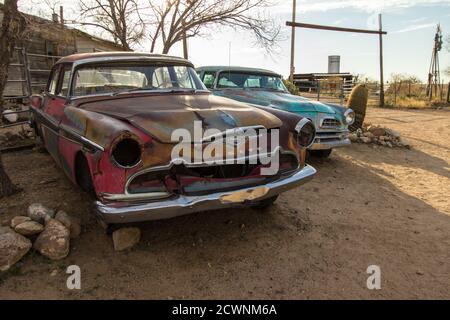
[
  {"x": 61, "y": 15},
  {"x": 380, "y": 23},
  {"x": 185, "y": 46},
  {"x": 292, "y": 71}
]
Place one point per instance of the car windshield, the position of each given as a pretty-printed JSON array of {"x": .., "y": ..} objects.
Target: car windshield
[
  {"x": 242, "y": 80},
  {"x": 117, "y": 78}
]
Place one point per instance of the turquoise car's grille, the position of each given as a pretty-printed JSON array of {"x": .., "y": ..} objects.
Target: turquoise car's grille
[{"x": 330, "y": 123}]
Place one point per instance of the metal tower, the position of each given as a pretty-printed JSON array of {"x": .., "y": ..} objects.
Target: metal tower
[{"x": 434, "y": 74}]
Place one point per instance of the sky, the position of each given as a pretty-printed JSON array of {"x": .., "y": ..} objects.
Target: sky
[{"x": 411, "y": 25}]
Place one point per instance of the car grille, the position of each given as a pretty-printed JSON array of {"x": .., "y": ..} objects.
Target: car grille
[
  {"x": 330, "y": 123},
  {"x": 208, "y": 178}
]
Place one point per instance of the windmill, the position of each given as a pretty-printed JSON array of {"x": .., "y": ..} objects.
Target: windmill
[{"x": 434, "y": 75}]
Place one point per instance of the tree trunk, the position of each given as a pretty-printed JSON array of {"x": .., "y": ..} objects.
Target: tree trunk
[{"x": 12, "y": 28}]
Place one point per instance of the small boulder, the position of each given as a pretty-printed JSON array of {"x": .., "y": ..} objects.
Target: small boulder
[
  {"x": 365, "y": 139},
  {"x": 71, "y": 223},
  {"x": 368, "y": 134},
  {"x": 54, "y": 241},
  {"x": 393, "y": 133},
  {"x": 377, "y": 131},
  {"x": 18, "y": 220},
  {"x": 353, "y": 137},
  {"x": 402, "y": 142},
  {"x": 126, "y": 238},
  {"x": 29, "y": 228},
  {"x": 40, "y": 213},
  {"x": 13, "y": 247}
]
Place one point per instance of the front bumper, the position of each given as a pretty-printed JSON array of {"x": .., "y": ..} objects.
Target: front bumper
[
  {"x": 121, "y": 212},
  {"x": 328, "y": 140}
]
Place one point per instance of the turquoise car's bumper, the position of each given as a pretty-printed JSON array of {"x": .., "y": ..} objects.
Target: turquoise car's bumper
[{"x": 325, "y": 141}]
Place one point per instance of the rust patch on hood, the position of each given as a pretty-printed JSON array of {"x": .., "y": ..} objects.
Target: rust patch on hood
[{"x": 160, "y": 114}]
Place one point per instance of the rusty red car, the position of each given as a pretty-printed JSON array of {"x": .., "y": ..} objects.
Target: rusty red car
[{"x": 107, "y": 120}]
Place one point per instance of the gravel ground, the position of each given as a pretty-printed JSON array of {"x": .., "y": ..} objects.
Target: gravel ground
[{"x": 367, "y": 206}]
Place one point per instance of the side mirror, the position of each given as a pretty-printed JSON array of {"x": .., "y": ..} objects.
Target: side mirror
[{"x": 36, "y": 100}]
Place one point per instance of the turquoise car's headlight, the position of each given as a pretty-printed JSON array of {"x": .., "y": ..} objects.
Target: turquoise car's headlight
[
  {"x": 349, "y": 117},
  {"x": 306, "y": 133}
]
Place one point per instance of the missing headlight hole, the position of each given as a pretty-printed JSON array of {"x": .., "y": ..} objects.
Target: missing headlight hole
[{"x": 127, "y": 153}]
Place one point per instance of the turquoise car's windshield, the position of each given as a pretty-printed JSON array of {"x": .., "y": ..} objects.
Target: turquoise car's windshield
[
  {"x": 244, "y": 80},
  {"x": 117, "y": 78}
]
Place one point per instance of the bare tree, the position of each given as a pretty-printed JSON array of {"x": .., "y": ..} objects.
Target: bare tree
[
  {"x": 172, "y": 19},
  {"x": 13, "y": 26},
  {"x": 121, "y": 19}
]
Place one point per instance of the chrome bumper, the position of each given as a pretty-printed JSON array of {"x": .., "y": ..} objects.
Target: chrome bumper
[
  {"x": 329, "y": 140},
  {"x": 120, "y": 212}
]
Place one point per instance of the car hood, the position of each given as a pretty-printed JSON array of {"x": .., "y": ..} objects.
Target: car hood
[
  {"x": 159, "y": 115},
  {"x": 279, "y": 100}
]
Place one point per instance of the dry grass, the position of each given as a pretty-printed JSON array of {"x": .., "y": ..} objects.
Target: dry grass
[{"x": 415, "y": 103}]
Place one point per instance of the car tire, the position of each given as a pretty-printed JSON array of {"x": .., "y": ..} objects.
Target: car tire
[
  {"x": 321, "y": 153},
  {"x": 263, "y": 204}
]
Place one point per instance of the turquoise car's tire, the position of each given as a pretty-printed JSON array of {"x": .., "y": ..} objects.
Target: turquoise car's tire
[{"x": 321, "y": 153}]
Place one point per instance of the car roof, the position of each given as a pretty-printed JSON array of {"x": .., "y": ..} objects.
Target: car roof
[
  {"x": 95, "y": 57},
  {"x": 237, "y": 69}
]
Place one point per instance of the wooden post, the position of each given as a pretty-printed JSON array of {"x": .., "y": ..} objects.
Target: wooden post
[
  {"x": 395, "y": 93},
  {"x": 318, "y": 89},
  {"x": 448, "y": 93},
  {"x": 292, "y": 71},
  {"x": 381, "y": 62}
]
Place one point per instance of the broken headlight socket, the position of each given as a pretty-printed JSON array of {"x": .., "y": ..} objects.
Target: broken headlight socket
[{"x": 126, "y": 153}]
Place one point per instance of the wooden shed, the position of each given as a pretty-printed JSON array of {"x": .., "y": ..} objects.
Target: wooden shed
[{"x": 45, "y": 41}]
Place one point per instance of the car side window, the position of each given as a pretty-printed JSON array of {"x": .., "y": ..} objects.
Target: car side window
[
  {"x": 54, "y": 81},
  {"x": 208, "y": 79},
  {"x": 67, "y": 71}
]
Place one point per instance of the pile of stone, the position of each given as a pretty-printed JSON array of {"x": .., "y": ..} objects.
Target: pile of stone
[
  {"x": 9, "y": 139},
  {"x": 371, "y": 134},
  {"x": 47, "y": 232}
]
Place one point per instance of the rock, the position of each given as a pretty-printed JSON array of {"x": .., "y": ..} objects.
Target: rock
[
  {"x": 126, "y": 238},
  {"x": 54, "y": 241},
  {"x": 29, "y": 228},
  {"x": 18, "y": 220},
  {"x": 11, "y": 116},
  {"x": 368, "y": 135},
  {"x": 71, "y": 223},
  {"x": 40, "y": 213},
  {"x": 365, "y": 139},
  {"x": 377, "y": 131},
  {"x": 389, "y": 144},
  {"x": 13, "y": 247},
  {"x": 353, "y": 137},
  {"x": 402, "y": 142},
  {"x": 393, "y": 133}
]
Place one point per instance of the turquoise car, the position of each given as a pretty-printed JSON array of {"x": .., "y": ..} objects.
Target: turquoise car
[{"x": 265, "y": 88}]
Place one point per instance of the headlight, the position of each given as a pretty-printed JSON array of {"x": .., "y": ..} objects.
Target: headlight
[
  {"x": 306, "y": 133},
  {"x": 349, "y": 117},
  {"x": 126, "y": 153}
]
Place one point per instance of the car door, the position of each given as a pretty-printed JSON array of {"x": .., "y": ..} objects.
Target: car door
[{"x": 54, "y": 104}]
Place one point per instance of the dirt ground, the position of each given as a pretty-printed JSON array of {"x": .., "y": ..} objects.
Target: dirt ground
[{"x": 366, "y": 206}]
